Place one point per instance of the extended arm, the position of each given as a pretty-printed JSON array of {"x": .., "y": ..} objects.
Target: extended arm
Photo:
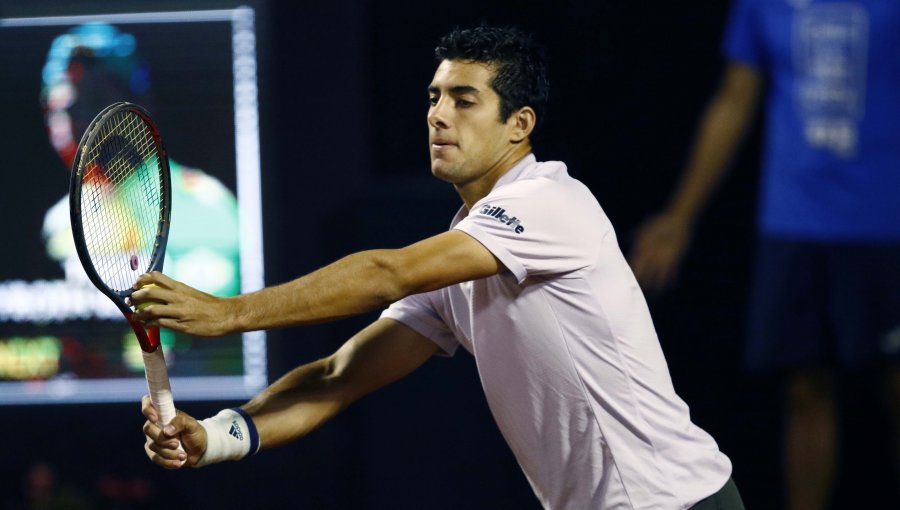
[
  {"x": 661, "y": 241},
  {"x": 309, "y": 395},
  {"x": 354, "y": 284}
]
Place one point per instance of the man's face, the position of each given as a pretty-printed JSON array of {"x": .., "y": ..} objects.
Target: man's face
[{"x": 467, "y": 138}]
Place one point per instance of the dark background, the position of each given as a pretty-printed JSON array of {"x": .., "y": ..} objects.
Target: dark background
[{"x": 345, "y": 167}]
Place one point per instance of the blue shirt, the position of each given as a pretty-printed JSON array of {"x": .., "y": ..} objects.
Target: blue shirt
[{"x": 831, "y": 162}]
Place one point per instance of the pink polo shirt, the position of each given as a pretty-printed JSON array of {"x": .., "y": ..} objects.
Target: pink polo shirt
[{"x": 567, "y": 353}]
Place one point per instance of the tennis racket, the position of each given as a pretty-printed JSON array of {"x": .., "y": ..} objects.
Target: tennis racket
[{"x": 120, "y": 202}]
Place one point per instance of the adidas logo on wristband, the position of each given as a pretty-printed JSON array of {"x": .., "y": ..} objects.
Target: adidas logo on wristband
[{"x": 235, "y": 431}]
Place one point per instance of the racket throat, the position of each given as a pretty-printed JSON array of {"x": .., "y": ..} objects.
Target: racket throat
[{"x": 148, "y": 338}]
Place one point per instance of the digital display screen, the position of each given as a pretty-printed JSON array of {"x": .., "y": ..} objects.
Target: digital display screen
[{"x": 61, "y": 340}]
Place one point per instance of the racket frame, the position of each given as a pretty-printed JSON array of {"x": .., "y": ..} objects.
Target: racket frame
[
  {"x": 148, "y": 339},
  {"x": 155, "y": 368}
]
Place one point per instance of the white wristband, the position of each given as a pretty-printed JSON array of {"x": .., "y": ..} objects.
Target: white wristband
[{"x": 230, "y": 435}]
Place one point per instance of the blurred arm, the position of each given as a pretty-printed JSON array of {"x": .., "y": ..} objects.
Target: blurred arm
[
  {"x": 662, "y": 240},
  {"x": 722, "y": 128}
]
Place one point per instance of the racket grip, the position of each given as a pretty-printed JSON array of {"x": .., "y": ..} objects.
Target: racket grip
[{"x": 158, "y": 384}]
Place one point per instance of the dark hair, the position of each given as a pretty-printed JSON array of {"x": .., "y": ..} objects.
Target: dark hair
[{"x": 520, "y": 77}]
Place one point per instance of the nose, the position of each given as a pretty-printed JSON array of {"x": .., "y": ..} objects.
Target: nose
[{"x": 437, "y": 115}]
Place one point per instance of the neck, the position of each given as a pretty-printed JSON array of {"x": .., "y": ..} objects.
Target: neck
[{"x": 473, "y": 191}]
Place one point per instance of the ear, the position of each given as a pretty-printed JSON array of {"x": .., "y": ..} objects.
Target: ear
[{"x": 522, "y": 124}]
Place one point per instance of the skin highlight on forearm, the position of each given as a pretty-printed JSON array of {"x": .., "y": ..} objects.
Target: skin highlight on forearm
[
  {"x": 353, "y": 285},
  {"x": 296, "y": 404}
]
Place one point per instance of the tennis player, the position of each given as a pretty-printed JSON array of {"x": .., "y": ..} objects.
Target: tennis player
[{"x": 529, "y": 279}]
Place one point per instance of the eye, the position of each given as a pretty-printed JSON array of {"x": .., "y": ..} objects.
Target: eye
[
  {"x": 432, "y": 100},
  {"x": 462, "y": 103}
]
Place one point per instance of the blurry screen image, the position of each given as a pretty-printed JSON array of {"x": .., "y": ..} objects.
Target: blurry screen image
[{"x": 60, "y": 339}]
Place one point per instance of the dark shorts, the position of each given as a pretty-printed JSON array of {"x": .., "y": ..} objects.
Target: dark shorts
[
  {"x": 728, "y": 498},
  {"x": 818, "y": 304}
]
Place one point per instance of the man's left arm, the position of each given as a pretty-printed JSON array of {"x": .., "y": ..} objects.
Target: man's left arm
[{"x": 355, "y": 284}]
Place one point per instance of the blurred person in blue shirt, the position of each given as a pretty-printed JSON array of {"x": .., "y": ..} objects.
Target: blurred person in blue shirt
[{"x": 825, "y": 297}]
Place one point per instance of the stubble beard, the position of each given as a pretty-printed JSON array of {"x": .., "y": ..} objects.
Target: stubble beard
[{"x": 445, "y": 170}]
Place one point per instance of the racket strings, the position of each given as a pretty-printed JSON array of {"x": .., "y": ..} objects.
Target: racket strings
[{"x": 121, "y": 199}]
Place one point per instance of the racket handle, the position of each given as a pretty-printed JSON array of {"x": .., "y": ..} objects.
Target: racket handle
[{"x": 158, "y": 384}]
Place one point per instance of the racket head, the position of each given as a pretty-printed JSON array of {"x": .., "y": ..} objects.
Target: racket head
[{"x": 120, "y": 200}]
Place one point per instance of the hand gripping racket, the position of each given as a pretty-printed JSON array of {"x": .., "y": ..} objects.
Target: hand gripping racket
[{"x": 119, "y": 202}]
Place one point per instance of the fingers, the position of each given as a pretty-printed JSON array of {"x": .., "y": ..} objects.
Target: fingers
[
  {"x": 651, "y": 266},
  {"x": 149, "y": 410},
  {"x": 161, "y": 436},
  {"x": 152, "y": 428},
  {"x": 167, "y": 457},
  {"x": 646, "y": 264},
  {"x": 151, "y": 289},
  {"x": 152, "y": 293},
  {"x": 163, "y": 447},
  {"x": 656, "y": 276},
  {"x": 162, "y": 443},
  {"x": 155, "y": 278},
  {"x": 145, "y": 317},
  {"x": 174, "y": 305},
  {"x": 154, "y": 303},
  {"x": 159, "y": 297},
  {"x": 655, "y": 270},
  {"x": 658, "y": 249}
]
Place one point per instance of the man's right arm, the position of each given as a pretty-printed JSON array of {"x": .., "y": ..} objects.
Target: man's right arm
[
  {"x": 661, "y": 242},
  {"x": 309, "y": 395},
  {"x": 306, "y": 397}
]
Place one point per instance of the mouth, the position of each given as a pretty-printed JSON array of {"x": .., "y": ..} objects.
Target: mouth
[{"x": 441, "y": 144}]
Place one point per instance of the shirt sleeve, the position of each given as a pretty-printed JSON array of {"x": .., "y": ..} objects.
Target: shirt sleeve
[
  {"x": 538, "y": 227},
  {"x": 419, "y": 313},
  {"x": 742, "y": 38}
]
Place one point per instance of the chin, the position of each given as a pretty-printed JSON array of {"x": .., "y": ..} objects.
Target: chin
[
  {"x": 441, "y": 175},
  {"x": 442, "y": 171}
]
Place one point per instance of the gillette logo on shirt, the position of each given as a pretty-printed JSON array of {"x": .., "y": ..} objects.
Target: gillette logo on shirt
[{"x": 498, "y": 213}]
